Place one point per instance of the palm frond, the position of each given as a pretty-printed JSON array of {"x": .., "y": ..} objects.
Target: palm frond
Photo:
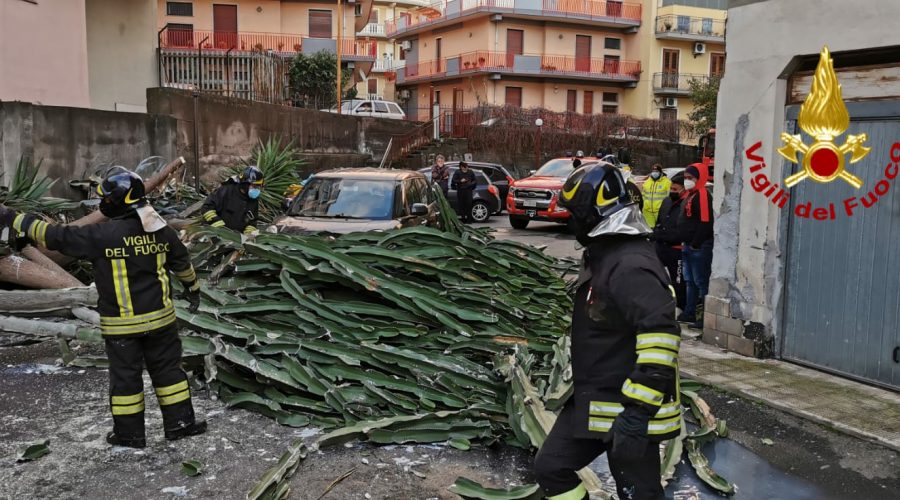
[{"x": 28, "y": 190}]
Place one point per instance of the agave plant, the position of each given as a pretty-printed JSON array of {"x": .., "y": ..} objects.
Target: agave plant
[
  {"x": 279, "y": 165},
  {"x": 28, "y": 190}
]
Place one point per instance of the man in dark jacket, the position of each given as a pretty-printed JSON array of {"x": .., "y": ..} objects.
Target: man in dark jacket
[
  {"x": 132, "y": 255},
  {"x": 625, "y": 343},
  {"x": 696, "y": 228},
  {"x": 668, "y": 239},
  {"x": 235, "y": 204},
  {"x": 464, "y": 183}
]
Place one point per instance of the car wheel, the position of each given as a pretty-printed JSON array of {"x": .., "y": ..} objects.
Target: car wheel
[
  {"x": 480, "y": 211},
  {"x": 518, "y": 222}
]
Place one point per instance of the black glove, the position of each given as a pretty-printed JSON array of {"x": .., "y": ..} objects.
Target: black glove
[
  {"x": 629, "y": 433},
  {"x": 7, "y": 215},
  {"x": 193, "y": 298}
]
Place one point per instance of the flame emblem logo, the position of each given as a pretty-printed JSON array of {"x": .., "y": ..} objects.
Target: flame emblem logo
[{"x": 824, "y": 116}]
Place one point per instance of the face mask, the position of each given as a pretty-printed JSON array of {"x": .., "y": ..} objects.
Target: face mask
[
  {"x": 655, "y": 175},
  {"x": 674, "y": 196},
  {"x": 254, "y": 193},
  {"x": 689, "y": 184}
]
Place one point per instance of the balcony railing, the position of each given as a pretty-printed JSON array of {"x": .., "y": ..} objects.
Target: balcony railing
[
  {"x": 676, "y": 83},
  {"x": 687, "y": 27},
  {"x": 388, "y": 65},
  {"x": 372, "y": 29},
  {"x": 263, "y": 42},
  {"x": 523, "y": 64},
  {"x": 613, "y": 13}
]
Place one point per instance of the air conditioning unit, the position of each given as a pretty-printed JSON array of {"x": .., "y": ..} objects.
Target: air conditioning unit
[
  {"x": 406, "y": 45},
  {"x": 671, "y": 102},
  {"x": 404, "y": 94},
  {"x": 699, "y": 48}
]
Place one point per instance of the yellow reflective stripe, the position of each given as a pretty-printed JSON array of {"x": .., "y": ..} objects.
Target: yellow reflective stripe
[
  {"x": 672, "y": 289},
  {"x": 17, "y": 222},
  {"x": 249, "y": 229},
  {"x": 658, "y": 356},
  {"x": 574, "y": 494},
  {"x": 187, "y": 275},
  {"x": 604, "y": 409},
  {"x": 138, "y": 328},
  {"x": 665, "y": 340},
  {"x": 664, "y": 426},
  {"x": 210, "y": 215},
  {"x": 175, "y": 398},
  {"x": 163, "y": 276},
  {"x": 195, "y": 286},
  {"x": 599, "y": 424},
  {"x": 642, "y": 393},
  {"x": 120, "y": 283},
  {"x": 128, "y": 410},
  {"x": 217, "y": 223},
  {"x": 37, "y": 231},
  {"x": 136, "y": 319},
  {"x": 127, "y": 400},
  {"x": 667, "y": 411},
  {"x": 172, "y": 389}
]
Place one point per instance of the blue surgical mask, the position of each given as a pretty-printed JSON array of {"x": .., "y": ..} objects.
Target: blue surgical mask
[{"x": 254, "y": 193}]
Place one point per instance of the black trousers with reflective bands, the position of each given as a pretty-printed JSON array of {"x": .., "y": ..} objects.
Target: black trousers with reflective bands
[
  {"x": 160, "y": 350},
  {"x": 562, "y": 456}
]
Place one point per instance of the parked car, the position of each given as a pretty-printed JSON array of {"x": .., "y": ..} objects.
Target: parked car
[
  {"x": 536, "y": 197},
  {"x": 367, "y": 107},
  {"x": 498, "y": 174},
  {"x": 361, "y": 199},
  {"x": 485, "y": 199}
]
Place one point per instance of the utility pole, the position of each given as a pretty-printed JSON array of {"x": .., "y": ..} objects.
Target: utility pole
[{"x": 340, "y": 28}]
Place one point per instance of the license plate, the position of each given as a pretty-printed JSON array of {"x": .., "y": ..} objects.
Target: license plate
[
  {"x": 530, "y": 203},
  {"x": 531, "y": 213}
]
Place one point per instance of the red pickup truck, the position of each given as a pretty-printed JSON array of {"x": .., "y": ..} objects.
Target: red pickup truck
[{"x": 536, "y": 197}]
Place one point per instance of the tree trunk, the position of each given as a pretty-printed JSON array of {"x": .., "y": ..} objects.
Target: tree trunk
[
  {"x": 20, "y": 271},
  {"x": 33, "y": 301}
]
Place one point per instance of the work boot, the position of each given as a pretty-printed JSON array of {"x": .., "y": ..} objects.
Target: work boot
[
  {"x": 685, "y": 318},
  {"x": 696, "y": 325},
  {"x": 131, "y": 442},
  {"x": 193, "y": 429}
]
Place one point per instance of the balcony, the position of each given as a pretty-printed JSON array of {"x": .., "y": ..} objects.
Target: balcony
[
  {"x": 676, "y": 84},
  {"x": 382, "y": 65},
  {"x": 279, "y": 43},
  {"x": 694, "y": 29},
  {"x": 599, "y": 13},
  {"x": 610, "y": 71},
  {"x": 372, "y": 29}
]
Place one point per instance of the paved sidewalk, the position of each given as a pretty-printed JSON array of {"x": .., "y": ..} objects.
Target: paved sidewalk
[{"x": 858, "y": 409}]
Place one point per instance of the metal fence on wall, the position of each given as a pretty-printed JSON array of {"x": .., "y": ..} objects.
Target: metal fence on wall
[{"x": 257, "y": 76}]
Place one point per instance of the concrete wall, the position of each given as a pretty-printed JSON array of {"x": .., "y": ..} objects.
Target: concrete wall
[
  {"x": 763, "y": 38},
  {"x": 73, "y": 142},
  {"x": 231, "y": 128},
  {"x": 121, "y": 43},
  {"x": 43, "y": 52}
]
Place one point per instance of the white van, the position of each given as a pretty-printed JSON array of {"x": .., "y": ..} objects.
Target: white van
[{"x": 374, "y": 108}]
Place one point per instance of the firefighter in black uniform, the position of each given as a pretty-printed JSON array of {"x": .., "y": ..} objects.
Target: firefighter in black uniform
[
  {"x": 625, "y": 344},
  {"x": 133, "y": 255},
  {"x": 235, "y": 204},
  {"x": 464, "y": 183}
]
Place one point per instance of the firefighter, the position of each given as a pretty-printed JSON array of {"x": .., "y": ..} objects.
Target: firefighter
[
  {"x": 235, "y": 204},
  {"x": 133, "y": 255},
  {"x": 624, "y": 350},
  {"x": 655, "y": 190}
]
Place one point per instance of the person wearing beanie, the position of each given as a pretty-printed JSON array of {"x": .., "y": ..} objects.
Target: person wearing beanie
[
  {"x": 696, "y": 230},
  {"x": 667, "y": 237},
  {"x": 654, "y": 190},
  {"x": 464, "y": 182}
]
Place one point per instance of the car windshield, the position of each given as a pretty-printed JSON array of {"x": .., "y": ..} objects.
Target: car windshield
[
  {"x": 561, "y": 167},
  {"x": 345, "y": 198}
]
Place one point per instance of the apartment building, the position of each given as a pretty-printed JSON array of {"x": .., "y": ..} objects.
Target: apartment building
[
  {"x": 583, "y": 56},
  {"x": 246, "y": 46}
]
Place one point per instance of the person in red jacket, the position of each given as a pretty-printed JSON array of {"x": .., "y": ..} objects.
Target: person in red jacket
[{"x": 696, "y": 228}]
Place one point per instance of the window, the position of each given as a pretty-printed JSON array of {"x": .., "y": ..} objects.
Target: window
[
  {"x": 381, "y": 107},
  {"x": 613, "y": 43},
  {"x": 180, "y": 35},
  {"x": 179, "y": 9},
  {"x": 717, "y": 64},
  {"x": 611, "y": 65},
  {"x": 668, "y": 114},
  {"x": 394, "y": 108},
  {"x": 610, "y": 110},
  {"x": 571, "y": 100},
  {"x": 610, "y": 103},
  {"x": 614, "y": 8},
  {"x": 319, "y": 23},
  {"x": 402, "y": 54},
  {"x": 373, "y": 16},
  {"x": 514, "y": 96},
  {"x": 357, "y": 10},
  {"x": 588, "y": 102},
  {"x": 373, "y": 85}
]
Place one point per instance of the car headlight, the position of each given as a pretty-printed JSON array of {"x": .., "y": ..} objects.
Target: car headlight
[
  {"x": 512, "y": 191},
  {"x": 555, "y": 193}
]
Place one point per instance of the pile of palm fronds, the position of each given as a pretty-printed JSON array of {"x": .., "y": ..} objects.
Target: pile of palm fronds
[
  {"x": 338, "y": 330},
  {"x": 280, "y": 166},
  {"x": 27, "y": 191}
]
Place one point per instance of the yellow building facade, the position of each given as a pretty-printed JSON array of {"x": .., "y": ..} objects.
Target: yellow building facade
[{"x": 635, "y": 58}]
